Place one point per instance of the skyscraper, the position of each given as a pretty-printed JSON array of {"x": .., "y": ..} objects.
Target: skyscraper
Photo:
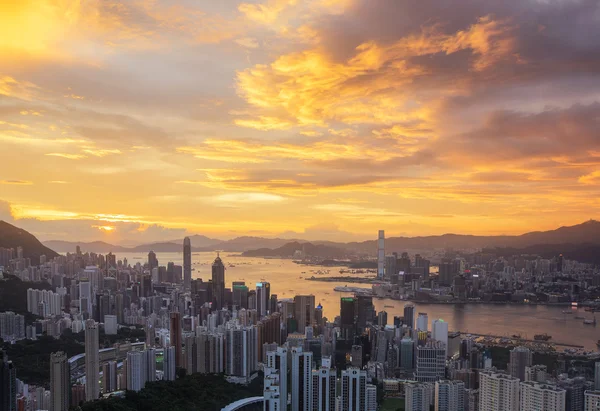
[
  {"x": 354, "y": 386},
  {"x": 304, "y": 311},
  {"x": 348, "y": 317},
  {"x": 417, "y": 396},
  {"x": 371, "y": 398},
  {"x": 169, "y": 364},
  {"x": 242, "y": 351},
  {"x": 439, "y": 332},
  {"x": 301, "y": 380},
  {"x": 381, "y": 254},
  {"x": 218, "y": 283},
  {"x": 449, "y": 395},
  {"x": 152, "y": 260},
  {"x": 409, "y": 315},
  {"x": 520, "y": 357},
  {"x": 536, "y": 396},
  {"x": 324, "y": 388},
  {"x": 92, "y": 361},
  {"x": 431, "y": 362},
  {"x": 175, "y": 337},
  {"x": 277, "y": 364},
  {"x": 109, "y": 376},
  {"x": 187, "y": 264},
  {"x": 407, "y": 353},
  {"x": 60, "y": 382},
  {"x": 422, "y": 322},
  {"x": 136, "y": 370},
  {"x": 592, "y": 401},
  {"x": 498, "y": 391},
  {"x": 8, "y": 384},
  {"x": 263, "y": 294}
]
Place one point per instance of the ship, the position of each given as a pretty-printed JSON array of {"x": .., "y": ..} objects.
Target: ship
[
  {"x": 590, "y": 322},
  {"x": 542, "y": 337},
  {"x": 389, "y": 306}
]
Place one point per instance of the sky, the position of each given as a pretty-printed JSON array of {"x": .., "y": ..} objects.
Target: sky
[{"x": 145, "y": 120}]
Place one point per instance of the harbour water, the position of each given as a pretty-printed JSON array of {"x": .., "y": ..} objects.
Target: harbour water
[{"x": 288, "y": 279}]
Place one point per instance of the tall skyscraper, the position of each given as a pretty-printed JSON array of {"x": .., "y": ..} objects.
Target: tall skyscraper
[
  {"x": 136, "y": 370},
  {"x": 407, "y": 353},
  {"x": 536, "y": 396},
  {"x": 348, "y": 317},
  {"x": 498, "y": 391},
  {"x": 277, "y": 366},
  {"x": 304, "y": 311},
  {"x": 301, "y": 380},
  {"x": 431, "y": 362},
  {"x": 187, "y": 264},
  {"x": 60, "y": 382},
  {"x": 417, "y": 396},
  {"x": 109, "y": 377},
  {"x": 324, "y": 388},
  {"x": 263, "y": 294},
  {"x": 381, "y": 254},
  {"x": 169, "y": 364},
  {"x": 150, "y": 358},
  {"x": 8, "y": 384},
  {"x": 92, "y": 361},
  {"x": 354, "y": 387},
  {"x": 439, "y": 332},
  {"x": 218, "y": 283},
  {"x": 371, "y": 398},
  {"x": 241, "y": 351},
  {"x": 175, "y": 337},
  {"x": 449, "y": 395},
  {"x": 152, "y": 260},
  {"x": 409, "y": 315},
  {"x": 520, "y": 358}
]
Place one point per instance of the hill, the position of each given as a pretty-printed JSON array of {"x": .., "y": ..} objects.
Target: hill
[
  {"x": 13, "y": 237},
  {"x": 584, "y": 253},
  {"x": 288, "y": 250}
]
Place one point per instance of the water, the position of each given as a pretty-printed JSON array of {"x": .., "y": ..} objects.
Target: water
[{"x": 283, "y": 275}]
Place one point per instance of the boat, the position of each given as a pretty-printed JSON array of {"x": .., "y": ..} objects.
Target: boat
[
  {"x": 389, "y": 306},
  {"x": 542, "y": 337},
  {"x": 590, "y": 322}
]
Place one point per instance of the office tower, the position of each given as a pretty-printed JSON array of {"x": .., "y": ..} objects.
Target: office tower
[
  {"x": 409, "y": 315},
  {"x": 439, "y": 332},
  {"x": 277, "y": 363},
  {"x": 381, "y": 255},
  {"x": 592, "y": 401},
  {"x": 390, "y": 266},
  {"x": 8, "y": 384},
  {"x": 187, "y": 264},
  {"x": 371, "y": 398},
  {"x": 498, "y": 392},
  {"x": 241, "y": 351},
  {"x": 407, "y": 353},
  {"x": 347, "y": 317},
  {"x": 273, "y": 308},
  {"x": 431, "y": 362},
  {"x": 169, "y": 364},
  {"x": 85, "y": 298},
  {"x": 422, "y": 322},
  {"x": 537, "y": 396},
  {"x": 449, "y": 395},
  {"x": 304, "y": 311},
  {"x": 150, "y": 364},
  {"x": 416, "y": 397},
  {"x": 364, "y": 312},
  {"x": 175, "y": 337},
  {"x": 301, "y": 373},
  {"x": 263, "y": 295},
  {"x": 354, "y": 386},
  {"x": 92, "y": 361},
  {"x": 109, "y": 377},
  {"x": 136, "y": 370},
  {"x": 152, "y": 261},
  {"x": 537, "y": 373},
  {"x": 60, "y": 382},
  {"x": 520, "y": 357},
  {"x": 218, "y": 283},
  {"x": 357, "y": 356},
  {"x": 324, "y": 388},
  {"x": 239, "y": 294},
  {"x": 597, "y": 376},
  {"x": 382, "y": 318}
]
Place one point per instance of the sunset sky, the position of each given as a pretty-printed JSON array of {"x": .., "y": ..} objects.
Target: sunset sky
[{"x": 145, "y": 120}]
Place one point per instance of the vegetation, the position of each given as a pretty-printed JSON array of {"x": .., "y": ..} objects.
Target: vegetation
[
  {"x": 197, "y": 392},
  {"x": 13, "y": 295},
  {"x": 13, "y": 237},
  {"x": 392, "y": 404}
]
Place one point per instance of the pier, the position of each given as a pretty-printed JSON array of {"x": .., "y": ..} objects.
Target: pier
[{"x": 521, "y": 340}]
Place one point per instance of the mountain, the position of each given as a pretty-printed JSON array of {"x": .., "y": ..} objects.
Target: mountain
[
  {"x": 249, "y": 243},
  {"x": 99, "y": 247},
  {"x": 584, "y": 253},
  {"x": 13, "y": 237},
  {"x": 200, "y": 241},
  {"x": 288, "y": 250}
]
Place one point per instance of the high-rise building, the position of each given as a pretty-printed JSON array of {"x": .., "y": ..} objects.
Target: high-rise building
[
  {"x": 382, "y": 319},
  {"x": 417, "y": 396},
  {"x": 537, "y": 373},
  {"x": 8, "y": 384},
  {"x": 187, "y": 264},
  {"x": 390, "y": 266},
  {"x": 407, "y": 353},
  {"x": 152, "y": 261},
  {"x": 304, "y": 311},
  {"x": 431, "y": 362},
  {"x": 592, "y": 400},
  {"x": 109, "y": 377},
  {"x": 301, "y": 372},
  {"x": 324, "y": 388},
  {"x": 471, "y": 400},
  {"x": 409, "y": 315},
  {"x": 92, "y": 361},
  {"x": 348, "y": 317},
  {"x": 218, "y": 283},
  {"x": 241, "y": 351},
  {"x": 150, "y": 358},
  {"x": 520, "y": 358},
  {"x": 364, "y": 312},
  {"x": 439, "y": 332},
  {"x": 60, "y": 382},
  {"x": 575, "y": 388},
  {"x": 537, "y": 396},
  {"x": 449, "y": 395},
  {"x": 169, "y": 364},
  {"x": 597, "y": 376},
  {"x": 371, "y": 398},
  {"x": 277, "y": 365},
  {"x": 136, "y": 370},
  {"x": 175, "y": 337},
  {"x": 422, "y": 322},
  {"x": 498, "y": 391},
  {"x": 263, "y": 295},
  {"x": 381, "y": 254},
  {"x": 239, "y": 292},
  {"x": 354, "y": 387}
]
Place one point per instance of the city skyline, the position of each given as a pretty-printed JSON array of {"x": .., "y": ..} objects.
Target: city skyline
[{"x": 121, "y": 120}]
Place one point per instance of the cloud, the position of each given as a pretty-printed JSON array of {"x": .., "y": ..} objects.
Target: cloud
[
  {"x": 68, "y": 156},
  {"x": 16, "y": 182},
  {"x": 248, "y": 198}
]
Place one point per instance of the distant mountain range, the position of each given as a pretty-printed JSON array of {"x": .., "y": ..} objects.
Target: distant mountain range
[
  {"x": 288, "y": 250},
  {"x": 13, "y": 237}
]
